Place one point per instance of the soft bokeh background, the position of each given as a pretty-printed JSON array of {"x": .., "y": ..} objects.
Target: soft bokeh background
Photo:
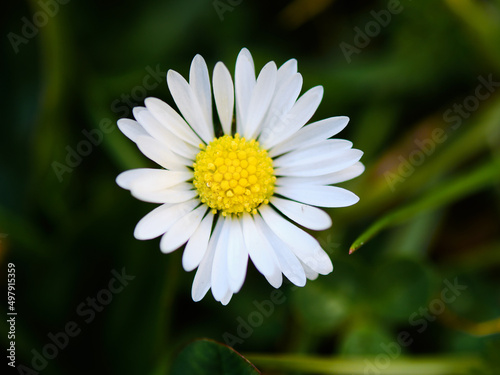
[{"x": 436, "y": 213}]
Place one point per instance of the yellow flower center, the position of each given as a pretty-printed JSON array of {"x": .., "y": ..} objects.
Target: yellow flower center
[{"x": 233, "y": 175}]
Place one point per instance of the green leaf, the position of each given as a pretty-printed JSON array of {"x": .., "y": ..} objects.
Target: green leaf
[
  {"x": 439, "y": 196},
  {"x": 320, "y": 309},
  {"x": 208, "y": 357},
  {"x": 364, "y": 339},
  {"x": 400, "y": 287}
]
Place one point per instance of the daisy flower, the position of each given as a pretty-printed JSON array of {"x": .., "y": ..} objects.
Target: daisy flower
[{"x": 232, "y": 189}]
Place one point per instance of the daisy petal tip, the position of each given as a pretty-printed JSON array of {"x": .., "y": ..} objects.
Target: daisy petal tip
[
  {"x": 150, "y": 100},
  {"x": 244, "y": 51},
  {"x": 325, "y": 226},
  {"x": 168, "y": 244},
  {"x": 293, "y": 63},
  {"x": 300, "y": 283},
  {"x": 187, "y": 266},
  {"x": 120, "y": 180},
  {"x": 275, "y": 283},
  {"x": 167, "y": 250},
  {"x": 142, "y": 232},
  {"x": 139, "y": 235},
  {"x": 224, "y": 301},
  {"x": 172, "y": 75},
  {"x": 196, "y": 296},
  {"x": 342, "y": 121},
  {"x": 355, "y": 198},
  {"x": 123, "y": 122},
  {"x": 328, "y": 269}
]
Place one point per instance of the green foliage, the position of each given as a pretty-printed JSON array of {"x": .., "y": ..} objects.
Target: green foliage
[
  {"x": 421, "y": 109},
  {"x": 321, "y": 310},
  {"x": 206, "y": 357}
]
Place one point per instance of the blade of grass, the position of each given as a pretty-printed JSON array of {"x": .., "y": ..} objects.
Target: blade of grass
[
  {"x": 439, "y": 196},
  {"x": 353, "y": 366},
  {"x": 483, "y": 24},
  {"x": 467, "y": 141}
]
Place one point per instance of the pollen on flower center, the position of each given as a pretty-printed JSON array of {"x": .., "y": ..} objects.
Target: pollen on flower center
[{"x": 233, "y": 175}]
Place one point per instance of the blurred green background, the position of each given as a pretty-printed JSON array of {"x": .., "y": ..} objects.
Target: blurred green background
[{"x": 419, "y": 81}]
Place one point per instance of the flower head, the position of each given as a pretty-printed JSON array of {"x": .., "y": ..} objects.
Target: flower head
[{"x": 229, "y": 192}]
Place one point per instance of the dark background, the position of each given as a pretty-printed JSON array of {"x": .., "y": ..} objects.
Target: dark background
[{"x": 66, "y": 225}]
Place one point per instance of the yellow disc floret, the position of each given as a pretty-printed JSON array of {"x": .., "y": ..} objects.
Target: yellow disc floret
[{"x": 233, "y": 175}]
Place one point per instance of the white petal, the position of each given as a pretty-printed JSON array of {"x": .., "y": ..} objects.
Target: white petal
[
  {"x": 260, "y": 251},
  {"x": 285, "y": 71},
  {"x": 197, "y": 244},
  {"x": 317, "y": 164},
  {"x": 275, "y": 279},
  {"x": 344, "y": 175},
  {"x": 237, "y": 256},
  {"x": 322, "y": 196},
  {"x": 224, "y": 96},
  {"x": 125, "y": 179},
  {"x": 188, "y": 104},
  {"x": 157, "y": 152},
  {"x": 176, "y": 194},
  {"x": 172, "y": 120},
  {"x": 311, "y": 134},
  {"x": 304, "y": 246},
  {"x": 161, "y": 219},
  {"x": 162, "y": 134},
  {"x": 137, "y": 110},
  {"x": 310, "y": 155},
  {"x": 284, "y": 99},
  {"x": 289, "y": 264},
  {"x": 146, "y": 179},
  {"x": 179, "y": 233},
  {"x": 310, "y": 273},
  {"x": 203, "y": 277},
  {"x": 225, "y": 300},
  {"x": 326, "y": 179},
  {"x": 260, "y": 100},
  {"x": 132, "y": 129},
  {"x": 160, "y": 179},
  {"x": 307, "y": 216},
  {"x": 301, "y": 112},
  {"x": 200, "y": 84},
  {"x": 220, "y": 280},
  {"x": 244, "y": 78}
]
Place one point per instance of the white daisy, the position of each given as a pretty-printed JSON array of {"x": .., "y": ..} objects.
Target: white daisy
[{"x": 227, "y": 192}]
